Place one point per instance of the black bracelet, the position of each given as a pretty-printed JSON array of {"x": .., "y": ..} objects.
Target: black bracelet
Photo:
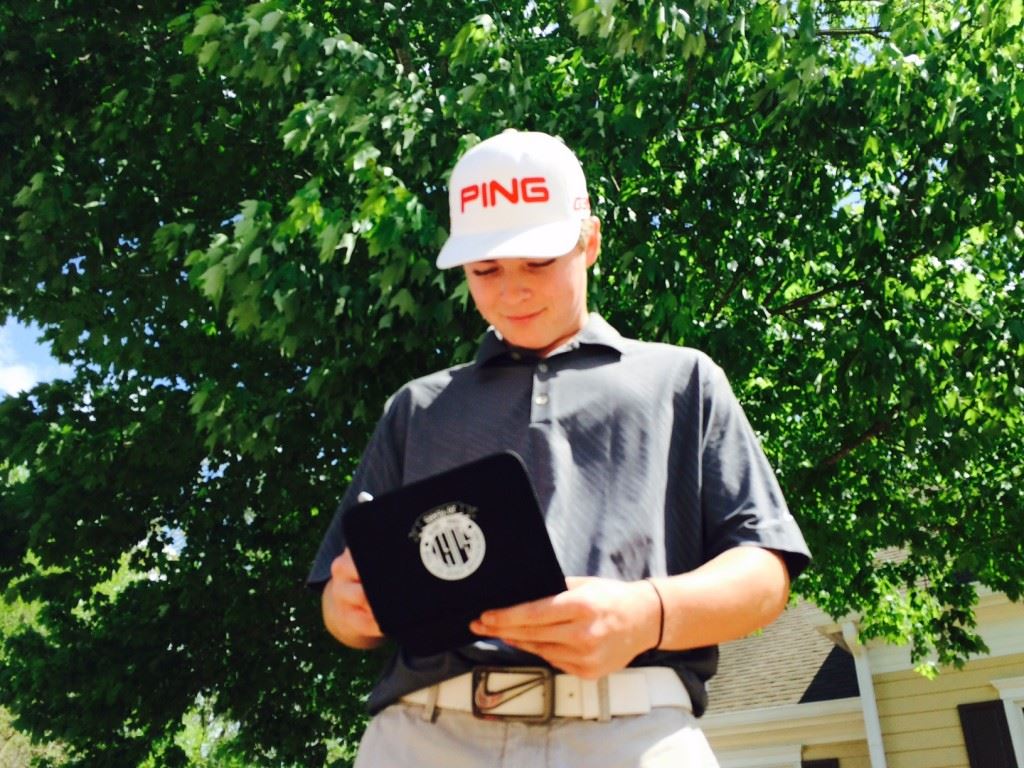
[{"x": 661, "y": 622}]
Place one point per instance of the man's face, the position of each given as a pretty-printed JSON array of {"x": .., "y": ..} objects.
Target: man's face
[{"x": 535, "y": 304}]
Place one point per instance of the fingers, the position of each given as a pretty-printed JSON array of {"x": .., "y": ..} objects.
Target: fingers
[
  {"x": 556, "y": 629},
  {"x": 597, "y": 626},
  {"x": 587, "y": 660},
  {"x": 543, "y": 619},
  {"x": 557, "y": 609},
  {"x": 343, "y": 567},
  {"x": 575, "y": 582},
  {"x": 565, "y": 633},
  {"x": 547, "y": 628},
  {"x": 345, "y": 584},
  {"x": 345, "y": 592}
]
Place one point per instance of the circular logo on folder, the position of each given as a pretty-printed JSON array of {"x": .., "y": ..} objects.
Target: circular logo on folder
[{"x": 451, "y": 545}]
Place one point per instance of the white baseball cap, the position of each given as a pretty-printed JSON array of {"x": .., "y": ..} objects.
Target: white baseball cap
[{"x": 516, "y": 195}]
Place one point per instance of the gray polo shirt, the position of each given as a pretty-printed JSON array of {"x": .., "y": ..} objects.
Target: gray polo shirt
[{"x": 643, "y": 462}]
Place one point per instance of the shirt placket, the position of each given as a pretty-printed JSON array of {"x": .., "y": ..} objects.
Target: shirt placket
[{"x": 540, "y": 403}]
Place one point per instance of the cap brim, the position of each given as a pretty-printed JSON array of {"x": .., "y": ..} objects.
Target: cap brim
[{"x": 543, "y": 242}]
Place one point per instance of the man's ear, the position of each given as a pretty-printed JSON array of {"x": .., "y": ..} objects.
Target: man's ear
[{"x": 594, "y": 241}]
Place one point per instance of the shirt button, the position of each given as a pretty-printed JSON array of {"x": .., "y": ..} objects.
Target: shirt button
[
  {"x": 542, "y": 367},
  {"x": 516, "y": 356},
  {"x": 541, "y": 399}
]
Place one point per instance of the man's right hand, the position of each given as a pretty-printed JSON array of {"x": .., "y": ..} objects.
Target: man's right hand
[{"x": 347, "y": 614}]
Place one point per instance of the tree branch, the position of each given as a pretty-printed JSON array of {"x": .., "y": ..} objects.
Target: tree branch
[
  {"x": 810, "y": 298},
  {"x": 402, "y": 56},
  {"x": 877, "y": 429},
  {"x": 854, "y": 32},
  {"x": 720, "y": 123},
  {"x": 736, "y": 280}
]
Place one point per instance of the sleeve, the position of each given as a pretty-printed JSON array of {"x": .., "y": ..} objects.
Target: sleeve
[
  {"x": 380, "y": 470},
  {"x": 742, "y": 502}
]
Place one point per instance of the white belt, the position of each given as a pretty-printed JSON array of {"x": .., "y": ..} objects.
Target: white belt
[{"x": 518, "y": 693}]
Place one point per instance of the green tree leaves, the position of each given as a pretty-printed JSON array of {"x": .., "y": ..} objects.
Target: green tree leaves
[{"x": 225, "y": 218}]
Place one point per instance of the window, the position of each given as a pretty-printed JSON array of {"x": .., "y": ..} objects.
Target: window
[
  {"x": 1011, "y": 692},
  {"x": 987, "y": 735}
]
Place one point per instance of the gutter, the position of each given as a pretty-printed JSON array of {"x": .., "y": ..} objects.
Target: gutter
[{"x": 866, "y": 685}]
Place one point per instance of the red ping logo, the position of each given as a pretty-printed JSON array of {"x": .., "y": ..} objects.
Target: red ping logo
[{"x": 530, "y": 189}]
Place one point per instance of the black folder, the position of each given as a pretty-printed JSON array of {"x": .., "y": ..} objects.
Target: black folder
[{"x": 434, "y": 554}]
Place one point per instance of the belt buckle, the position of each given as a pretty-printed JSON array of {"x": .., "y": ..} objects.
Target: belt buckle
[{"x": 486, "y": 700}]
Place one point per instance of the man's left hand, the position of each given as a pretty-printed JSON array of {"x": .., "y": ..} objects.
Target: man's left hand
[{"x": 594, "y": 628}]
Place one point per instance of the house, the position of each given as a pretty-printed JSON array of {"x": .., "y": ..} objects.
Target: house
[{"x": 806, "y": 693}]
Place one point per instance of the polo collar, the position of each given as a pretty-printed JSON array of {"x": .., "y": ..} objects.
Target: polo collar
[{"x": 596, "y": 332}]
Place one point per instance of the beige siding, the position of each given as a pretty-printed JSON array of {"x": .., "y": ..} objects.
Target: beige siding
[
  {"x": 920, "y": 724},
  {"x": 851, "y": 754}
]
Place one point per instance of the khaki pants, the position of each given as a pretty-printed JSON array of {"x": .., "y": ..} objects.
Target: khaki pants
[{"x": 666, "y": 736}]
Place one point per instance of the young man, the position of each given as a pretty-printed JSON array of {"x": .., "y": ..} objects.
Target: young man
[{"x": 660, "y": 504}]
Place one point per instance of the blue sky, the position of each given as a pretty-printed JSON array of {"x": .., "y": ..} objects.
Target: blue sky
[{"x": 24, "y": 362}]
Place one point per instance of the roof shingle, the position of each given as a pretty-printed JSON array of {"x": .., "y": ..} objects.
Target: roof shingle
[{"x": 789, "y": 662}]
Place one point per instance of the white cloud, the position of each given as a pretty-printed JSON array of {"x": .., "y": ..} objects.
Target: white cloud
[
  {"x": 24, "y": 361},
  {"x": 6, "y": 348},
  {"x": 16, "y": 378}
]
